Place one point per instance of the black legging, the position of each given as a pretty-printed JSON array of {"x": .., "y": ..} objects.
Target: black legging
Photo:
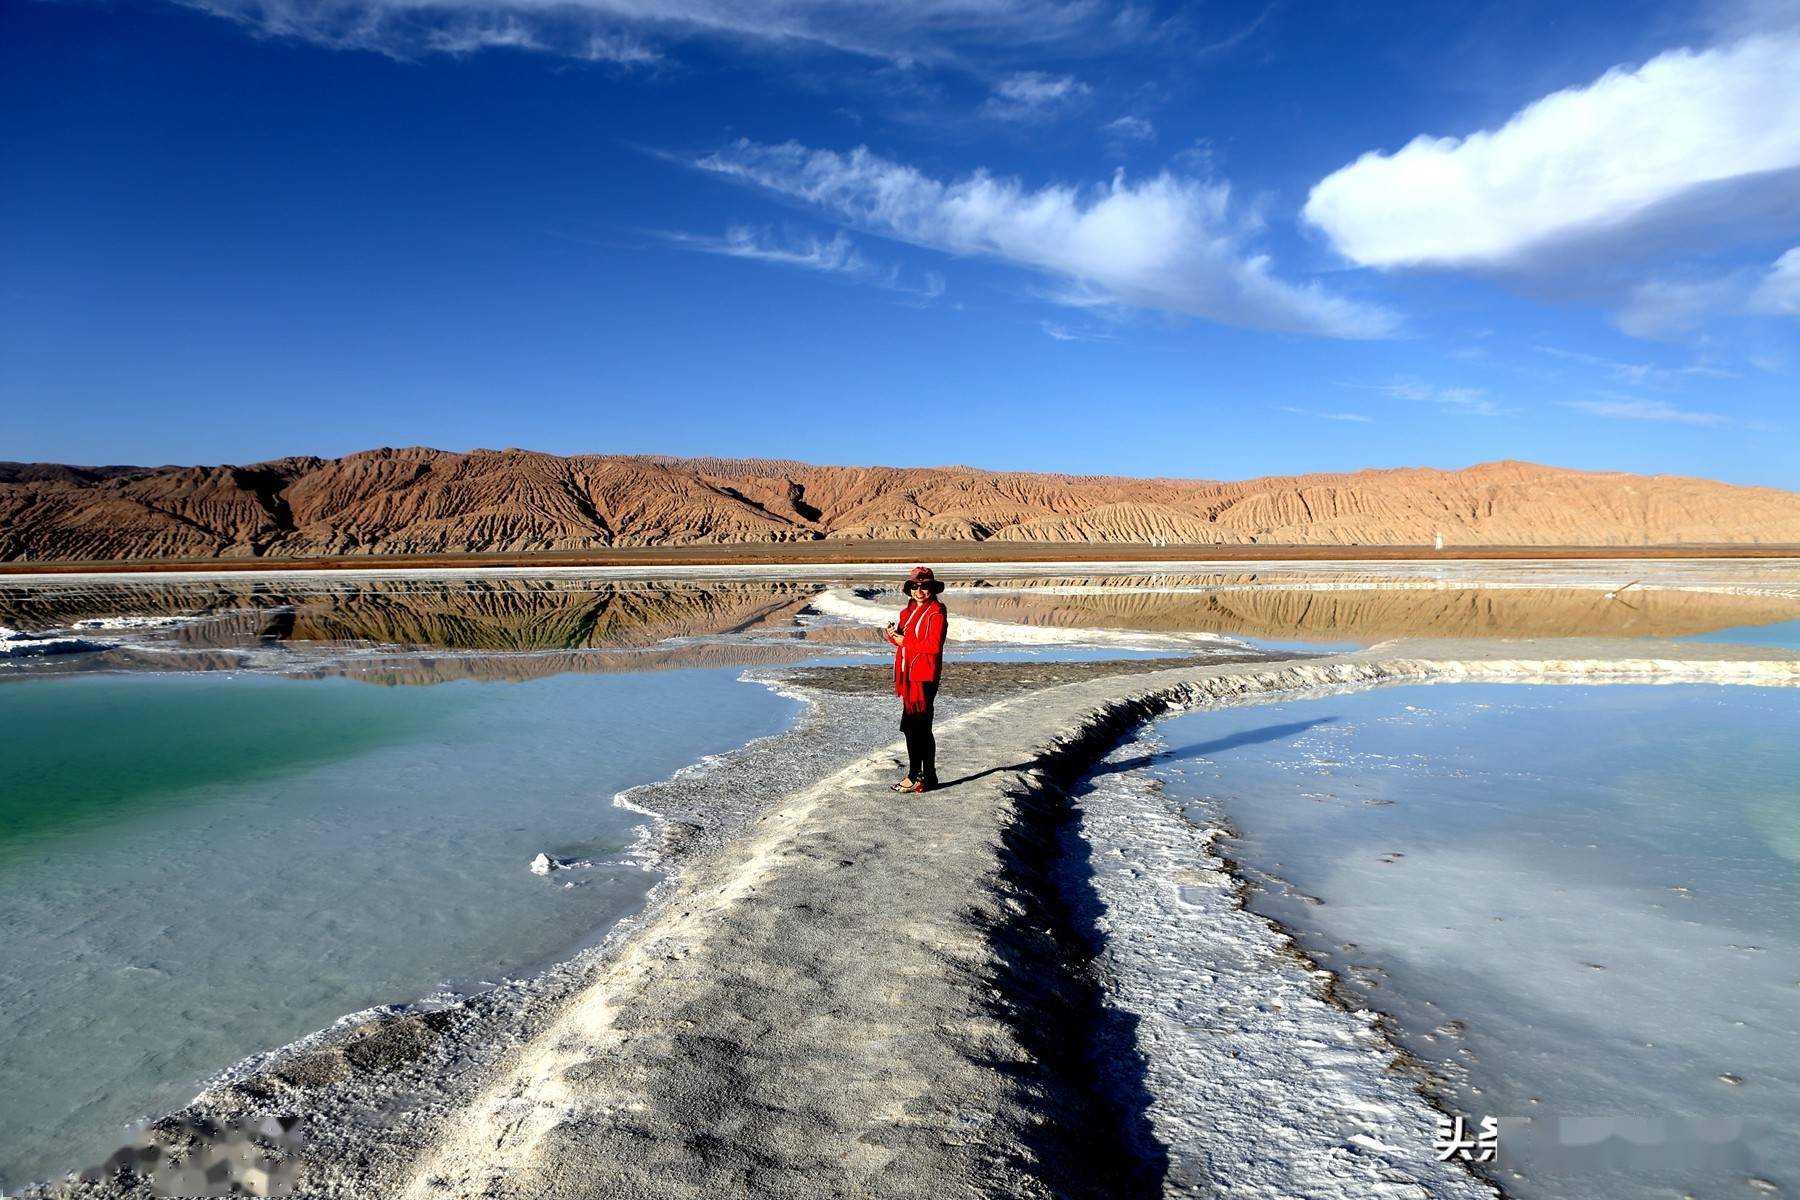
[{"x": 921, "y": 745}]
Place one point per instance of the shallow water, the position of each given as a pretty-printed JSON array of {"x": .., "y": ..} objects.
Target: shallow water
[
  {"x": 217, "y": 836},
  {"x": 197, "y": 867},
  {"x": 1783, "y": 635},
  {"x": 1327, "y": 606},
  {"x": 596, "y": 620},
  {"x": 1575, "y": 902}
]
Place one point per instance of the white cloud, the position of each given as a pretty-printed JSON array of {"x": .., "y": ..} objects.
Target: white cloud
[
  {"x": 836, "y": 255},
  {"x": 1033, "y": 95},
  {"x": 1167, "y": 243},
  {"x": 1737, "y": 18},
  {"x": 1779, "y": 291},
  {"x": 1469, "y": 401},
  {"x": 1572, "y": 163},
  {"x": 628, "y": 31},
  {"x": 1663, "y": 309},
  {"x": 1358, "y": 418},
  {"x": 1666, "y": 310},
  {"x": 1638, "y": 374},
  {"x": 1035, "y": 87},
  {"x": 1066, "y": 333},
  {"x": 1135, "y": 129},
  {"x": 1635, "y": 408}
]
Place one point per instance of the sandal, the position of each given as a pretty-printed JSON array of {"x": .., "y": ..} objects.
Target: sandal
[{"x": 906, "y": 785}]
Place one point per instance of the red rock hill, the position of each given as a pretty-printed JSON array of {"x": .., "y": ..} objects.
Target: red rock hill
[{"x": 422, "y": 501}]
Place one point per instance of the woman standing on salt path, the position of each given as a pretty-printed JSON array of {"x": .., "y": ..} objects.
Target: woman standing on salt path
[{"x": 918, "y": 639}]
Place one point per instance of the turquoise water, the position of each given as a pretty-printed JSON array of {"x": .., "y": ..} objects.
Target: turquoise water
[
  {"x": 1575, "y": 903},
  {"x": 1784, "y": 635},
  {"x": 113, "y": 750},
  {"x": 194, "y": 868}
]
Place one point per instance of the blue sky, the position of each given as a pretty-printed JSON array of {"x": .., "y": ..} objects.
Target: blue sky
[{"x": 1200, "y": 240}]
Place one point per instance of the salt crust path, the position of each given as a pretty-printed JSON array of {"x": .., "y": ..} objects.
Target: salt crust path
[{"x": 871, "y": 996}]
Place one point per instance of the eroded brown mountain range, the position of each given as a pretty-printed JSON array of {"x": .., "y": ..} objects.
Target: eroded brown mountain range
[{"x": 422, "y": 502}]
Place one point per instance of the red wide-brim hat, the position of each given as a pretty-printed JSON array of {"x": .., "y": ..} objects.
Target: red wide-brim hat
[{"x": 923, "y": 575}]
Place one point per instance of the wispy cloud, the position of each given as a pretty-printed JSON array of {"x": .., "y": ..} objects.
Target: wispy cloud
[
  {"x": 1660, "y": 309},
  {"x": 1238, "y": 36},
  {"x": 1358, "y": 418},
  {"x": 1778, "y": 292},
  {"x": 1670, "y": 309},
  {"x": 634, "y": 31},
  {"x": 1167, "y": 243},
  {"x": 1470, "y": 401},
  {"x": 1572, "y": 164},
  {"x": 1066, "y": 333},
  {"x": 836, "y": 255},
  {"x": 1128, "y": 128},
  {"x": 1636, "y": 408},
  {"x": 1124, "y": 136},
  {"x": 1638, "y": 374},
  {"x": 1034, "y": 96}
]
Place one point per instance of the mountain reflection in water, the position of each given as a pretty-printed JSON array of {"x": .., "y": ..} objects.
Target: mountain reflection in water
[{"x": 434, "y": 628}]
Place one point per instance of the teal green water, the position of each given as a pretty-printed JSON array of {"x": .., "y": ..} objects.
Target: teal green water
[
  {"x": 100, "y": 750},
  {"x": 198, "y": 867}
]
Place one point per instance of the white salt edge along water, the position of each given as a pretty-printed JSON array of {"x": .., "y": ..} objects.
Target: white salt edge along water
[
  {"x": 20, "y": 643},
  {"x": 517, "y": 992},
  {"x": 1294, "y": 1095},
  {"x": 134, "y": 622},
  {"x": 1340, "y": 1146},
  {"x": 641, "y": 853},
  {"x": 17, "y": 643},
  {"x": 1342, "y": 1059},
  {"x": 1515, "y": 929},
  {"x": 848, "y": 604},
  {"x": 1260, "y": 1084}
]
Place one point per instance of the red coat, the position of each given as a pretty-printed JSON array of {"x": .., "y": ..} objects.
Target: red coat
[{"x": 919, "y": 657}]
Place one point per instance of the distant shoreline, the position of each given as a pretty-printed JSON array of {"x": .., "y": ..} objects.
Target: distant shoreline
[{"x": 829, "y": 553}]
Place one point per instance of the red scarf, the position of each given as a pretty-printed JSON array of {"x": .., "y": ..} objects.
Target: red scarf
[{"x": 920, "y": 655}]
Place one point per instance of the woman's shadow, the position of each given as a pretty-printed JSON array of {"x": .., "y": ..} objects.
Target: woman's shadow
[{"x": 1244, "y": 737}]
